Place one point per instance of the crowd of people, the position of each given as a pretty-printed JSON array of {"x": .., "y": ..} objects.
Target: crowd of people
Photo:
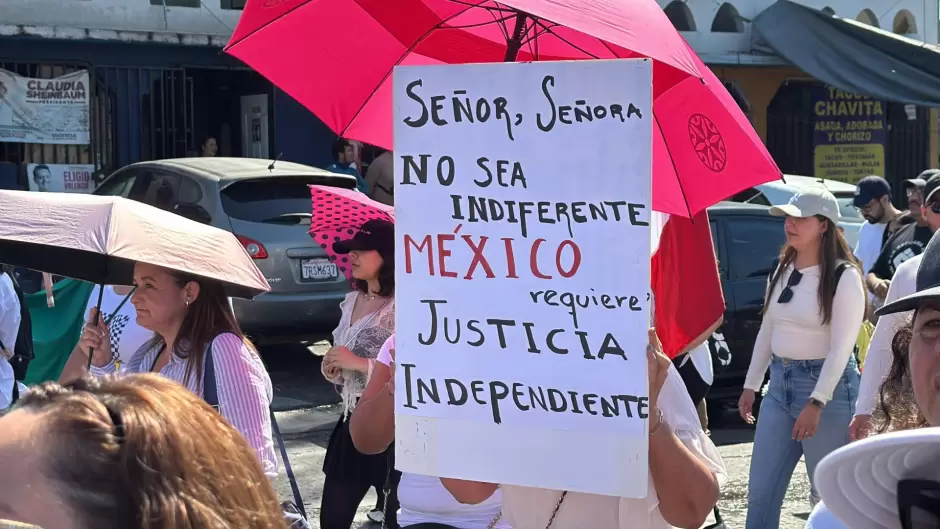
[{"x": 146, "y": 449}]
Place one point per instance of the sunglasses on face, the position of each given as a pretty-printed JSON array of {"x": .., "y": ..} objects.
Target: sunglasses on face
[
  {"x": 787, "y": 293},
  {"x": 919, "y": 503}
]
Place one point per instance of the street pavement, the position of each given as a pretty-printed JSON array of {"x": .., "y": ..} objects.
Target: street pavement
[{"x": 306, "y": 409}]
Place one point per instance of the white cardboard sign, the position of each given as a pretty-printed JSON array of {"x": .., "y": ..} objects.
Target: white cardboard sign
[{"x": 522, "y": 273}]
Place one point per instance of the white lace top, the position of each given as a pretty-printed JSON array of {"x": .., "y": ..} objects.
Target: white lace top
[{"x": 363, "y": 337}]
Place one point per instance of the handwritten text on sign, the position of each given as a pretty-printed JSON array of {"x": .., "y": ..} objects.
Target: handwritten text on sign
[{"x": 522, "y": 221}]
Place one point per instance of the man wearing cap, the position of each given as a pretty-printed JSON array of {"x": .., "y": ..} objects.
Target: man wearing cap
[
  {"x": 878, "y": 361},
  {"x": 906, "y": 243},
  {"x": 873, "y": 200}
]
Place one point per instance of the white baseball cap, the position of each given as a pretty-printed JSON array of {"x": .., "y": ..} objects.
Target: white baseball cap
[
  {"x": 859, "y": 482},
  {"x": 814, "y": 200}
]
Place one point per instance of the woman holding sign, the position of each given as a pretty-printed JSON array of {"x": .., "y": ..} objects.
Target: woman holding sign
[{"x": 679, "y": 452}]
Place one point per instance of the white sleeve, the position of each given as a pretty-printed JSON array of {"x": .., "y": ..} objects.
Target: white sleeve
[
  {"x": 680, "y": 414},
  {"x": 848, "y": 311},
  {"x": 879, "y": 359},
  {"x": 760, "y": 354}
]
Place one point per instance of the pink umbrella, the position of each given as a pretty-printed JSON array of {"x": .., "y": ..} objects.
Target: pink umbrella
[
  {"x": 338, "y": 214},
  {"x": 704, "y": 151}
]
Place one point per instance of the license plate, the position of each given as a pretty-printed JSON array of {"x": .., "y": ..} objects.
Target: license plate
[{"x": 317, "y": 269}]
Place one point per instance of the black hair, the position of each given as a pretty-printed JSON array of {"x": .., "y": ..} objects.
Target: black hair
[
  {"x": 339, "y": 147},
  {"x": 205, "y": 140},
  {"x": 41, "y": 166},
  {"x": 386, "y": 275}
]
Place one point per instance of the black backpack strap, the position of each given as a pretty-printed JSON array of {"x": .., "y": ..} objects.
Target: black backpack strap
[
  {"x": 841, "y": 267},
  {"x": 210, "y": 393}
]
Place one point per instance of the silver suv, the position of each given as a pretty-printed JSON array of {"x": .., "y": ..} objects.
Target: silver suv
[{"x": 268, "y": 209}]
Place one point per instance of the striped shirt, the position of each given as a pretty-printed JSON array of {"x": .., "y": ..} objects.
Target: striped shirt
[{"x": 244, "y": 388}]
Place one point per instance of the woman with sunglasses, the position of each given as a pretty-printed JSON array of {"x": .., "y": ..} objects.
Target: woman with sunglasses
[{"x": 813, "y": 309}]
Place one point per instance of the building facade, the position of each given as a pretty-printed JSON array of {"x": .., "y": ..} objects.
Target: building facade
[{"x": 160, "y": 83}]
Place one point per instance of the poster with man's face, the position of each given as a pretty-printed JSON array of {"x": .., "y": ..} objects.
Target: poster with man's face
[{"x": 61, "y": 178}]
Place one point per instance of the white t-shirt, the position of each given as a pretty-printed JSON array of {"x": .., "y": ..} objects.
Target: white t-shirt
[
  {"x": 869, "y": 244},
  {"x": 9, "y": 328},
  {"x": 879, "y": 358},
  {"x": 531, "y": 508},
  {"x": 424, "y": 499},
  {"x": 126, "y": 335}
]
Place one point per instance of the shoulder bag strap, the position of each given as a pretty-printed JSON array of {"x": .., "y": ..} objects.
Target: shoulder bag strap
[{"x": 210, "y": 392}]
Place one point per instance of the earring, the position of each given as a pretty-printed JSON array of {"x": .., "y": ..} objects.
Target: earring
[{"x": 187, "y": 302}]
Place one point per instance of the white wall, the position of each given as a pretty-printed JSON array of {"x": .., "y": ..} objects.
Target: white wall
[
  {"x": 120, "y": 15},
  {"x": 735, "y": 47}
]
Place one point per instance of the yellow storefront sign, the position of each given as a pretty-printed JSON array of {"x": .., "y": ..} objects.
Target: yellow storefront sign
[
  {"x": 849, "y": 162},
  {"x": 849, "y": 135}
]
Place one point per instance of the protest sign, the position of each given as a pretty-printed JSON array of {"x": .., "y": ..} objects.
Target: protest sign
[
  {"x": 61, "y": 178},
  {"x": 522, "y": 273},
  {"x": 53, "y": 111}
]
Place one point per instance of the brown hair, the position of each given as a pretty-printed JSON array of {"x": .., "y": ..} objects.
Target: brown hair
[
  {"x": 208, "y": 316},
  {"x": 897, "y": 409},
  {"x": 833, "y": 249},
  {"x": 142, "y": 451}
]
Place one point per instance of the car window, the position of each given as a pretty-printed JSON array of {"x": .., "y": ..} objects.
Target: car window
[
  {"x": 118, "y": 186},
  {"x": 751, "y": 195},
  {"x": 753, "y": 245},
  {"x": 161, "y": 190},
  {"x": 847, "y": 209},
  {"x": 269, "y": 200}
]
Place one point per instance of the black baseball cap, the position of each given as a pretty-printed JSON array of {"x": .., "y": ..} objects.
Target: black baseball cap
[
  {"x": 870, "y": 188},
  {"x": 920, "y": 181},
  {"x": 927, "y": 281},
  {"x": 375, "y": 234},
  {"x": 931, "y": 186}
]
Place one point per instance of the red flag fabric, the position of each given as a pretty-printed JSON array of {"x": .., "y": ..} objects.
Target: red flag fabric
[{"x": 688, "y": 301}]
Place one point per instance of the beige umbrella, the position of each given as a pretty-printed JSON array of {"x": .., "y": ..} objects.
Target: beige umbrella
[{"x": 98, "y": 239}]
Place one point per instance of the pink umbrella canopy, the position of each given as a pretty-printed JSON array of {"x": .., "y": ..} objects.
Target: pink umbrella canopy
[
  {"x": 338, "y": 214},
  {"x": 704, "y": 147}
]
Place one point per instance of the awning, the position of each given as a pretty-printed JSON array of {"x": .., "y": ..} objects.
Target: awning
[{"x": 852, "y": 56}]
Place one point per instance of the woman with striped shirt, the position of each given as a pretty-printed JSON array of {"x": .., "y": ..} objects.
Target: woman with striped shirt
[{"x": 191, "y": 318}]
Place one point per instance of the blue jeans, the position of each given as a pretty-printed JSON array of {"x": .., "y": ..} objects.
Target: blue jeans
[{"x": 775, "y": 453}]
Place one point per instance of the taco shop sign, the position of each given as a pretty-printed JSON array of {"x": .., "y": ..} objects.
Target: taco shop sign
[{"x": 849, "y": 133}]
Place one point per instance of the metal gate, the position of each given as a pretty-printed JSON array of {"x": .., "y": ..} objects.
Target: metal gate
[
  {"x": 151, "y": 113},
  {"x": 135, "y": 114}
]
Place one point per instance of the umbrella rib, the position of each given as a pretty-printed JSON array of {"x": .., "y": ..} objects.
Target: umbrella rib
[
  {"x": 403, "y": 56},
  {"x": 579, "y": 48},
  {"x": 673, "y": 162},
  {"x": 498, "y": 21},
  {"x": 268, "y": 23},
  {"x": 611, "y": 50}
]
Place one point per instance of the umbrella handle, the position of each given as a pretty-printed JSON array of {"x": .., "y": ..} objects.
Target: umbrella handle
[{"x": 91, "y": 351}]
